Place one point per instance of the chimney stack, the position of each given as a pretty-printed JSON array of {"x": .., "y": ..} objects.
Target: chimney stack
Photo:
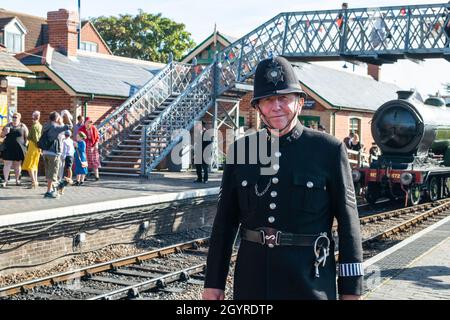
[
  {"x": 374, "y": 71},
  {"x": 62, "y": 31}
]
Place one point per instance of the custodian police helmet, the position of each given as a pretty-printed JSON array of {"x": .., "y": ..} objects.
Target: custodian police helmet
[{"x": 275, "y": 76}]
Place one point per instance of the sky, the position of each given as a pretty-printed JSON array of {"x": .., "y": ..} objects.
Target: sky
[{"x": 238, "y": 17}]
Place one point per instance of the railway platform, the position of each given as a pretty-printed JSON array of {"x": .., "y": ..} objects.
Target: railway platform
[
  {"x": 22, "y": 205},
  {"x": 417, "y": 268},
  {"x": 37, "y": 231}
]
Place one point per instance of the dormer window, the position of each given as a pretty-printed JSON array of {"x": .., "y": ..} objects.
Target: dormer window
[
  {"x": 14, "y": 42},
  {"x": 13, "y": 35},
  {"x": 89, "y": 46}
]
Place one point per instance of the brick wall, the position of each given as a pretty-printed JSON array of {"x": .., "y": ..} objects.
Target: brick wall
[
  {"x": 47, "y": 101},
  {"x": 342, "y": 126},
  {"x": 58, "y": 241},
  {"x": 251, "y": 115},
  {"x": 374, "y": 71},
  {"x": 88, "y": 33},
  {"x": 44, "y": 101},
  {"x": 62, "y": 31},
  {"x": 99, "y": 109}
]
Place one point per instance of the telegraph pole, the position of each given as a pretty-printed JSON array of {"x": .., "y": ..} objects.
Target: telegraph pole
[{"x": 79, "y": 24}]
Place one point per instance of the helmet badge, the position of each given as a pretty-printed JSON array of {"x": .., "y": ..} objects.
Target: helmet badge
[{"x": 274, "y": 73}]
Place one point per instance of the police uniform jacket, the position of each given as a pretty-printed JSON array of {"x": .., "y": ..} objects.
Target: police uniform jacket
[{"x": 310, "y": 185}]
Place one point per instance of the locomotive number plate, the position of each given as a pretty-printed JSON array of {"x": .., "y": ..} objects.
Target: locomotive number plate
[{"x": 395, "y": 175}]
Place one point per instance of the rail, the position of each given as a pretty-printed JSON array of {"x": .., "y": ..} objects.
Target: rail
[{"x": 172, "y": 79}]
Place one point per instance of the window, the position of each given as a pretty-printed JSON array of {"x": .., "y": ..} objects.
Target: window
[
  {"x": 355, "y": 126},
  {"x": 310, "y": 121},
  {"x": 14, "y": 42},
  {"x": 241, "y": 122},
  {"x": 89, "y": 46}
]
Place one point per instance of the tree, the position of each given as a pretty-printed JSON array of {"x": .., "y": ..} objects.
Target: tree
[{"x": 145, "y": 36}]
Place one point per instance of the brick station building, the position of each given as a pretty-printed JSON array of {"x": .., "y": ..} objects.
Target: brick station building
[{"x": 90, "y": 81}]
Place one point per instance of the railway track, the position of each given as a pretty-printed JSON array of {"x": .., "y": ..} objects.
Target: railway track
[
  {"x": 407, "y": 220},
  {"x": 129, "y": 277},
  {"x": 114, "y": 267}
]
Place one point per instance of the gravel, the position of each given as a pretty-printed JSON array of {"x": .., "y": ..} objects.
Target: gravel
[
  {"x": 106, "y": 254},
  {"x": 188, "y": 291}
]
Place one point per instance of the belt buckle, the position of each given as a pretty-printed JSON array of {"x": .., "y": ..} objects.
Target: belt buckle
[{"x": 271, "y": 240}]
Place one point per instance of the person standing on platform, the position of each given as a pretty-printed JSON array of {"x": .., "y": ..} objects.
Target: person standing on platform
[
  {"x": 31, "y": 162},
  {"x": 77, "y": 126},
  {"x": 81, "y": 164},
  {"x": 68, "y": 155},
  {"x": 51, "y": 145},
  {"x": 284, "y": 205},
  {"x": 15, "y": 143},
  {"x": 92, "y": 145},
  {"x": 203, "y": 164}
]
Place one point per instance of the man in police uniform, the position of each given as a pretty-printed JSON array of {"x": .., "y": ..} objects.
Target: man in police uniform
[{"x": 286, "y": 216}]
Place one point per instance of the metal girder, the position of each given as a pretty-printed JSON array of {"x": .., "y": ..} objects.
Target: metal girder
[
  {"x": 229, "y": 121},
  {"x": 173, "y": 78},
  {"x": 373, "y": 35}
]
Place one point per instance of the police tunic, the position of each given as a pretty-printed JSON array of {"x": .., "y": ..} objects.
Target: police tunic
[{"x": 310, "y": 185}]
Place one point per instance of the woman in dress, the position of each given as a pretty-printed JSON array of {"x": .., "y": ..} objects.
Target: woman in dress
[
  {"x": 81, "y": 169},
  {"x": 15, "y": 134},
  {"x": 31, "y": 162},
  {"x": 92, "y": 140}
]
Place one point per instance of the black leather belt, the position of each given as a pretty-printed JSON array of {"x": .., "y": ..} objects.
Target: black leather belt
[{"x": 272, "y": 237}]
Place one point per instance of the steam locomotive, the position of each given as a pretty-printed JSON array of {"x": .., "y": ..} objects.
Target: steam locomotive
[{"x": 414, "y": 138}]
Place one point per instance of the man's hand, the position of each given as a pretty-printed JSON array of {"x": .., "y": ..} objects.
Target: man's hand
[
  {"x": 349, "y": 297},
  {"x": 213, "y": 294}
]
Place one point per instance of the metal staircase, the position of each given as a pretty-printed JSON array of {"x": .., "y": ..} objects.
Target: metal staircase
[
  {"x": 373, "y": 35},
  {"x": 120, "y": 133}
]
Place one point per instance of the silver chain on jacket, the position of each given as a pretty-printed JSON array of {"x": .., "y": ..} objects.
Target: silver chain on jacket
[{"x": 265, "y": 190}]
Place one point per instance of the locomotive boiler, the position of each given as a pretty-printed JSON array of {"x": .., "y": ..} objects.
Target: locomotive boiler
[{"x": 414, "y": 138}]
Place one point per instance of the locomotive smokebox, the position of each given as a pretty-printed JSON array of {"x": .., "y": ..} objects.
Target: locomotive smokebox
[{"x": 407, "y": 126}]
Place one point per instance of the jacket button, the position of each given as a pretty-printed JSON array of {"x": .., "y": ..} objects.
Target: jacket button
[
  {"x": 244, "y": 183},
  {"x": 276, "y": 167},
  {"x": 310, "y": 185},
  {"x": 271, "y": 246},
  {"x": 278, "y": 154},
  {"x": 271, "y": 219},
  {"x": 275, "y": 180},
  {"x": 273, "y": 194},
  {"x": 273, "y": 206}
]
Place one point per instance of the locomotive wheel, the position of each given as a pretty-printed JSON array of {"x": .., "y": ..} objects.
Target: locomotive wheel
[
  {"x": 372, "y": 193},
  {"x": 414, "y": 195},
  {"x": 446, "y": 187},
  {"x": 433, "y": 189}
]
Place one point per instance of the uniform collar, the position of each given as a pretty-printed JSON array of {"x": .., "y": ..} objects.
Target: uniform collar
[
  {"x": 292, "y": 136},
  {"x": 295, "y": 133}
]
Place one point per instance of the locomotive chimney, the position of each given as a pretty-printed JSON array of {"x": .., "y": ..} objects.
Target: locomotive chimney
[
  {"x": 409, "y": 94},
  {"x": 405, "y": 94}
]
